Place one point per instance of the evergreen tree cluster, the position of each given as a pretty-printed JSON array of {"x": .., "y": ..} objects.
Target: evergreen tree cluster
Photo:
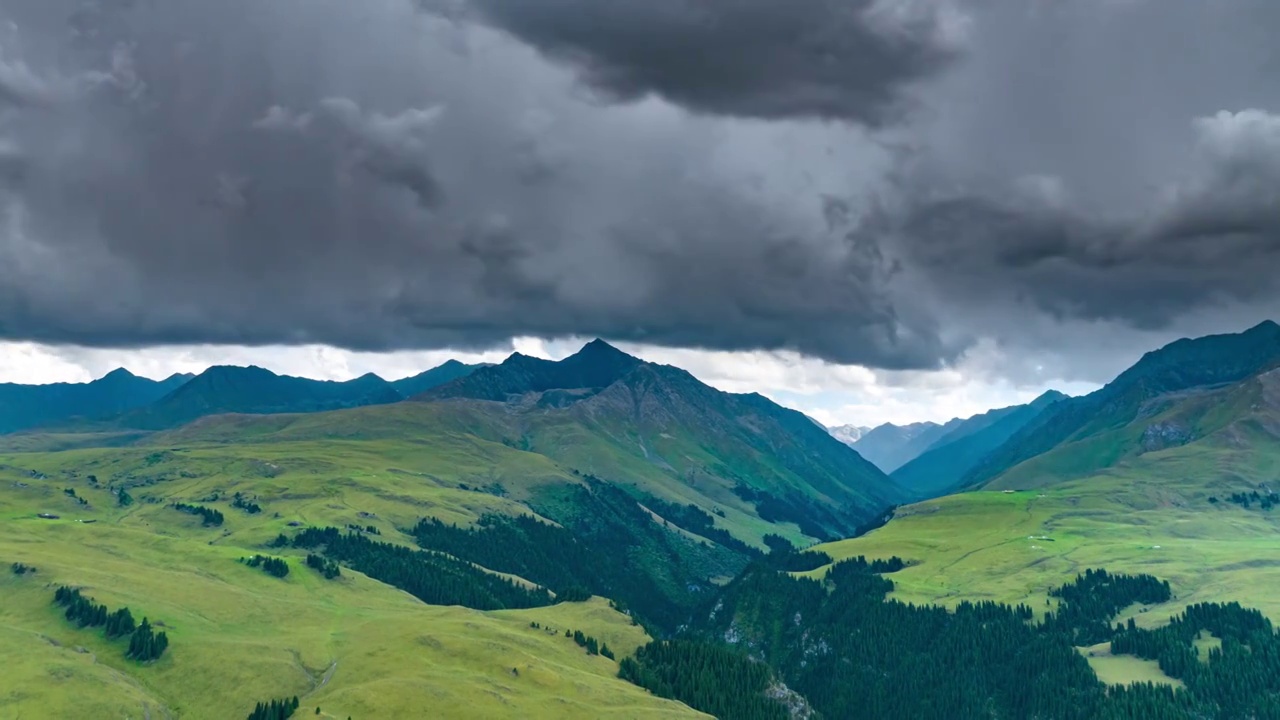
[
  {"x": 123, "y": 498},
  {"x": 275, "y": 709},
  {"x": 813, "y": 519},
  {"x": 606, "y": 544},
  {"x": 852, "y": 653},
  {"x": 1088, "y": 604},
  {"x": 371, "y": 529},
  {"x": 784, "y": 556},
  {"x": 21, "y": 569},
  {"x": 592, "y": 646},
  {"x": 71, "y": 493},
  {"x": 144, "y": 643},
  {"x": 1246, "y": 500},
  {"x": 271, "y": 565},
  {"x": 706, "y": 676},
  {"x": 431, "y": 577},
  {"x": 694, "y": 519},
  {"x": 323, "y": 565},
  {"x": 212, "y": 518},
  {"x": 241, "y": 502},
  {"x": 1239, "y": 680}
]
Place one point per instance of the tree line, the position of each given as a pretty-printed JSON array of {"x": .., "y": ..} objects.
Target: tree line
[
  {"x": 434, "y": 578},
  {"x": 211, "y": 517},
  {"x": 605, "y": 544},
  {"x": 275, "y": 709},
  {"x": 241, "y": 502},
  {"x": 145, "y": 644},
  {"x": 851, "y": 652},
  {"x": 276, "y": 567}
]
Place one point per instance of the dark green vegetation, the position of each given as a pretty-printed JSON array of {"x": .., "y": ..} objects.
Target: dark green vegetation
[
  {"x": 431, "y": 577},
  {"x": 275, "y": 709},
  {"x": 29, "y": 406},
  {"x": 243, "y": 503},
  {"x": 21, "y": 569},
  {"x": 1247, "y": 500},
  {"x": 590, "y": 644},
  {"x": 708, "y": 676},
  {"x": 851, "y": 653},
  {"x": 323, "y": 565},
  {"x": 942, "y": 467},
  {"x": 606, "y": 544},
  {"x": 145, "y": 644},
  {"x": 211, "y": 517},
  {"x": 275, "y": 567}
]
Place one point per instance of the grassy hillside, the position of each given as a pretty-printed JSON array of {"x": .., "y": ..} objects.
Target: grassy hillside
[
  {"x": 1149, "y": 515},
  {"x": 1216, "y": 360},
  {"x": 351, "y": 646}
]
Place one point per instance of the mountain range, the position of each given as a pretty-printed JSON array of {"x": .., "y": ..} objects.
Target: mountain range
[
  {"x": 599, "y": 411},
  {"x": 27, "y": 406},
  {"x": 123, "y": 401},
  {"x": 1187, "y": 391}
]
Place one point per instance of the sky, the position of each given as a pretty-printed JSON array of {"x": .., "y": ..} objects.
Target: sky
[{"x": 869, "y": 210}]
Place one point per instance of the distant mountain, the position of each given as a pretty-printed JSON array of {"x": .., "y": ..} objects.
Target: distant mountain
[
  {"x": 435, "y": 377},
  {"x": 622, "y": 419},
  {"x": 27, "y": 406},
  {"x": 848, "y": 434},
  {"x": 597, "y": 365},
  {"x": 942, "y": 467},
  {"x": 1079, "y": 436},
  {"x": 890, "y": 446},
  {"x": 257, "y": 391}
]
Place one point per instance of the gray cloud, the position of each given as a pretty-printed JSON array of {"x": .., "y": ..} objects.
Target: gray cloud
[
  {"x": 372, "y": 176},
  {"x": 840, "y": 59},
  {"x": 368, "y": 176}
]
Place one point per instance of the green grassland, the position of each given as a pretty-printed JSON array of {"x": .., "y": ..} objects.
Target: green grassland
[
  {"x": 1148, "y": 515},
  {"x": 446, "y": 443},
  {"x": 1125, "y": 669},
  {"x": 351, "y": 646}
]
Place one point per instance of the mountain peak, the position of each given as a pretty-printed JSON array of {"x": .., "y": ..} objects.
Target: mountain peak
[
  {"x": 1266, "y": 327},
  {"x": 118, "y": 374},
  {"x": 1048, "y": 398},
  {"x": 599, "y": 348}
]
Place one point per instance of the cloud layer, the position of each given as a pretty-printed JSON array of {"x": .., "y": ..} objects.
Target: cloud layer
[{"x": 874, "y": 183}]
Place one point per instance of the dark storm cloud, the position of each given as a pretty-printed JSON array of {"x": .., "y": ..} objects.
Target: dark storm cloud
[
  {"x": 841, "y": 59},
  {"x": 1211, "y": 238},
  {"x": 369, "y": 176},
  {"x": 373, "y": 176}
]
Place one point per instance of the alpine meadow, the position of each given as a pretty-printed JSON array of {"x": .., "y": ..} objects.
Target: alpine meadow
[{"x": 639, "y": 359}]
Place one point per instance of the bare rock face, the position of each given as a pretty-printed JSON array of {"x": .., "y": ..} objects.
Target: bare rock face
[{"x": 1164, "y": 435}]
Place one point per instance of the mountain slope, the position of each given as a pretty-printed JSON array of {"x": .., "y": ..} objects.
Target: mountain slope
[
  {"x": 890, "y": 446},
  {"x": 943, "y": 466},
  {"x": 625, "y": 420},
  {"x": 435, "y": 377},
  {"x": 28, "y": 406},
  {"x": 1181, "y": 366},
  {"x": 254, "y": 390}
]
